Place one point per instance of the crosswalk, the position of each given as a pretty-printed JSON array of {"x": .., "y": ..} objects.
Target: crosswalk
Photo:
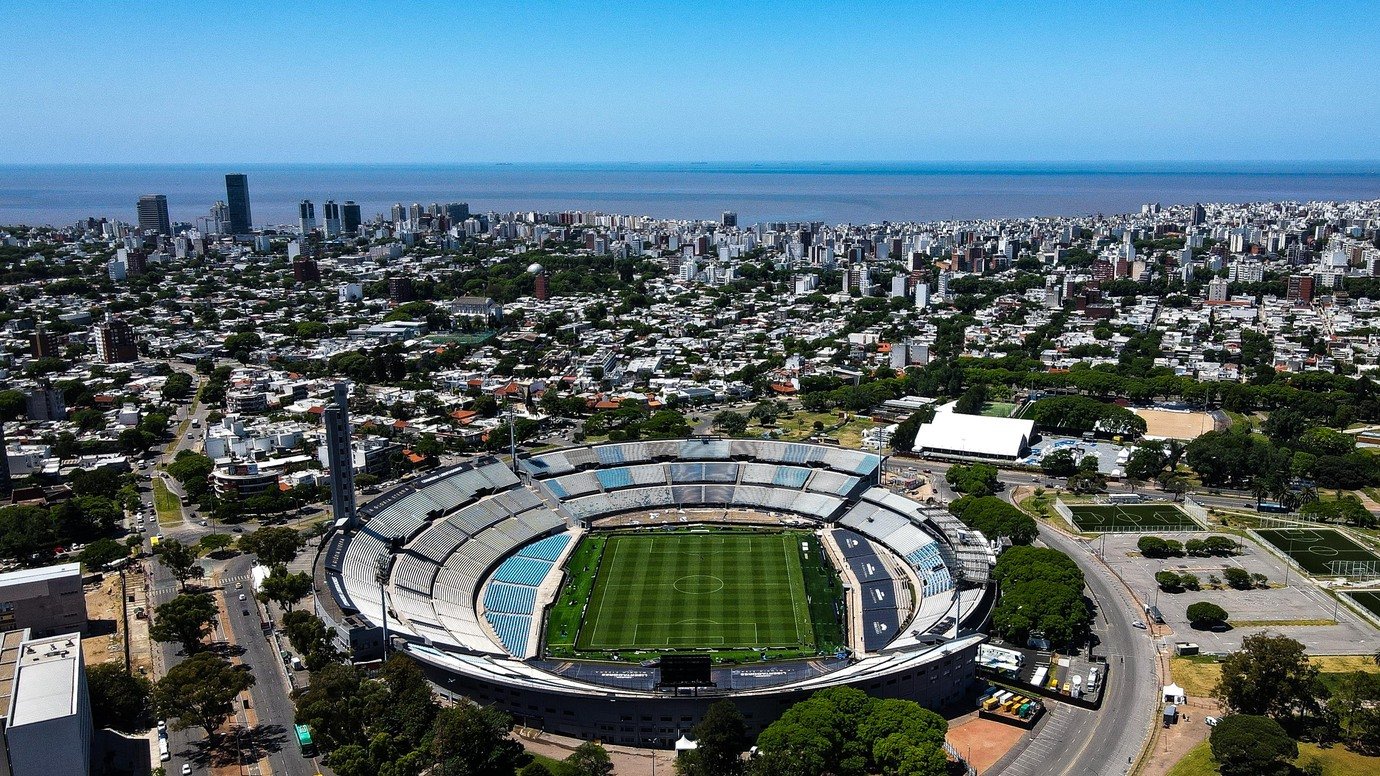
[{"x": 171, "y": 588}]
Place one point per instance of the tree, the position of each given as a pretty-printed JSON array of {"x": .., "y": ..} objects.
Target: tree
[
  {"x": 1269, "y": 676},
  {"x": 339, "y": 705},
  {"x": 184, "y": 620},
  {"x": 1169, "y": 581},
  {"x": 1041, "y": 592},
  {"x": 216, "y": 542},
  {"x": 977, "y": 479},
  {"x": 119, "y": 699},
  {"x": 842, "y": 731},
  {"x": 722, "y": 737},
  {"x": 1204, "y": 614},
  {"x": 474, "y": 740},
  {"x": 198, "y": 691},
  {"x": 1355, "y": 702},
  {"x": 274, "y": 546},
  {"x": 310, "y": 637},
  {"x": 731, "y": 423},
  {"x": 1158, "y": 547},
  {"x": 1145, "y": 463},
  {"x": 588, "y": 759},
  {"x": 178, "y": 558},
  {"x": 1238, "y": 578},
  {"x": 285, "y": 589},
  {"x": 1059, "y": 463},
  {"x": 101, "y": 553},
  {"x": 995, "y": 518},
  {"x": 1252, "y": 745}
]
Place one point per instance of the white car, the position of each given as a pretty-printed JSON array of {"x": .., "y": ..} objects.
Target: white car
[
  {"x": 1211, "y": 721},
  {"x": 186, "y": 769},
  {"x": 241, "y": 596},
  {"x": 1138, "y": 624}
]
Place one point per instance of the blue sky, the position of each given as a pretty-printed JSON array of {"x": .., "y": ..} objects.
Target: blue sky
[{"x": 342, "y": 81}]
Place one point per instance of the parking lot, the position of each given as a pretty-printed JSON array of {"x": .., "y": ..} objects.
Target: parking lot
[{"x": 1300, "y": 601}]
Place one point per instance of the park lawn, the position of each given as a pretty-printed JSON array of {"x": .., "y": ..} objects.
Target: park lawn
[
  {"x": 1336, "y": 761},
  {"x": 800, "y": 425},
  {"x": 1198, "y": 675},
  {"x": 166, "y": 504}
]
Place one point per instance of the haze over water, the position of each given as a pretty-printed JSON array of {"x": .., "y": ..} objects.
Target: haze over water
[{"x": 840, "y": 192}]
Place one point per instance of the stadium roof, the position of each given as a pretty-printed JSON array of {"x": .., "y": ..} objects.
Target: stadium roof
[{"x": 975, "y": 435}]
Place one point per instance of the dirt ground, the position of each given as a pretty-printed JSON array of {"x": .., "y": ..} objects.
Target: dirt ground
[
  {"x": 983, "y": 741},
  {"x": 627, "y": 761},
  {"x": 105, "y": 639},
  {"x": 1175, "y": 741},
  {"x": 1176, "y": 425}
]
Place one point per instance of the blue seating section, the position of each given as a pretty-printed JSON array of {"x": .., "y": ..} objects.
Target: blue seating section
[
  {"x": 930, "y": 566},
  {"x": 549, "y": 548},
  {"x": 797, "y": 454},
  {"x": 522, "y": 571},
  {"x": 790, "y": 477},
  {"x": 614, "y": 478},
  {"x": 555, "y": 488},
  {"x": 512, "y": 629},
  {"x": 514, "y": 599},
  {"x": 610, "y": 454}
]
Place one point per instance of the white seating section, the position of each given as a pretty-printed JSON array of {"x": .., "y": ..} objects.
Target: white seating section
[{"x": 465, "y": 551}]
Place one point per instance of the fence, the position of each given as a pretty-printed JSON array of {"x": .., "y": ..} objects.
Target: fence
[
  {"x": 1063, "y": 511},
  {"x": 1196, "y": 511}
]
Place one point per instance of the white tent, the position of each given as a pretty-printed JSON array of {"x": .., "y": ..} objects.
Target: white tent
[
  {"x": 1173, "y": 693},
  {"x": 684, "y": 744}
]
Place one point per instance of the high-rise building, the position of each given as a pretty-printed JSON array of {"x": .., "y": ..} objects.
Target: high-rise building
[
  {"x": 237, "y": 197},
  {"x": 306, "y": 270},
  {"x": 218, "y": 218},
  {"x": 400, "y": 289},
  {"x": 1300, "y": 288},
  {"x": 457, "y": 212},
  {"x": 43, "y": 344},
  {"x": 339, "y": 457},
  {"x": 1197, "y": 216},
  {"x": 153, "y": 215},
  {"x": 306, "y": 217},
  {"x": 47, "y": 701},
  {"x": 728, "y": 219},
  {"x": 115, "y": 343},
  {"x": 331, "y": 218},
  {"x": 1217, "y": 289},
  {"x": 350, "y": 219}
]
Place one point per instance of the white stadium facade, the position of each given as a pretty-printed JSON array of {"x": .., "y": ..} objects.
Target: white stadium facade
[{"x": 462, "y": 564}]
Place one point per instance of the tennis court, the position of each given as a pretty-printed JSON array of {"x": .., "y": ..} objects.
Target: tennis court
[
  {"x": 1323, "y": 552},
  {"x": 1131, "y": 518}
]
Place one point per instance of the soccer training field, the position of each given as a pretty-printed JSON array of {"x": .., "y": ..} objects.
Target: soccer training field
[
  {"x": 1323, "y": 552},
  {"x": 1126, "y": 518},
  {"x": 719, "y": 591},
  {"x": 1370, "y": 599}
]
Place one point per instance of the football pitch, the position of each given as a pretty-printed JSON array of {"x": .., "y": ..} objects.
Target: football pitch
[
  {"x": 1127, "y": 518},
  {"x": 715, "y": 591},
  {"x": 1370, "y": 599},
  {"x": 1323, "y": 552}
]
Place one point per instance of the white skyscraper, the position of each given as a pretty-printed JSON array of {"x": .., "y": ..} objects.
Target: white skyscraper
[{"x": 922, "y": 295}]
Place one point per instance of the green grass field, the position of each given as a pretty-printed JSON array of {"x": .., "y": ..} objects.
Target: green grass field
[
  {"x": 1100, "y": 518},
  {"x": 1369, "y": 599},
  {"x": 721, "y": 590},
  {"x": 1315, "y": 548}
]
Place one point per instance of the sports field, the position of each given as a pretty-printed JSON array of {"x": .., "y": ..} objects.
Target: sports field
[
  {"x": 721, "y": 590},
  {"x": 1323, "y": 552},
  {"x": 1370, "y": 599},
  {"x": 1128, "y": 518}
]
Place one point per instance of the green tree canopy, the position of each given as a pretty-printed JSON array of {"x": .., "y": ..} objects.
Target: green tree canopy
[
  {"x": 1251, "y": 745},
  {"x": 1270, "y": 676},
  {"x": 198, "y": 692},
  {"x": 185, "y": 620}
]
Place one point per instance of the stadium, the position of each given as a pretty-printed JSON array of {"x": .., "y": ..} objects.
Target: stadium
[{"x": 615, "y": 591}]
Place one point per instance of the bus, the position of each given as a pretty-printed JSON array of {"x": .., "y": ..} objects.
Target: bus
[
  {"x": 154, "y": 540},
  {"x": 304, "y": 741}
]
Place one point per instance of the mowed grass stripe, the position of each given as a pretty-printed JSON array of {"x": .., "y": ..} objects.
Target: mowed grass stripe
[{"x": 692, "y": 591}]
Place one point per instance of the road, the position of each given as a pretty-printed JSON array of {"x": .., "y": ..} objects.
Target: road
[{"x": 1077, "y": 742}]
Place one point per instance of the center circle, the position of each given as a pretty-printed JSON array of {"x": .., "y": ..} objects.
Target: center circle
[
  {"x": 698, "y": 584},
  {"x": 1324, "y": 551}
]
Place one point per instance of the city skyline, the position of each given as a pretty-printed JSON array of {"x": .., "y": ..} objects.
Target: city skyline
[{"x": 721, "y": 82}]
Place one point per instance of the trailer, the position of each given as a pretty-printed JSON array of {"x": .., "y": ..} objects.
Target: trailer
[{"x": 1038, "y": 679}]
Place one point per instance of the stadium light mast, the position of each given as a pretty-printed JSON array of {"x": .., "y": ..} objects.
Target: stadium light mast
[{"x": 381, "y": 575}]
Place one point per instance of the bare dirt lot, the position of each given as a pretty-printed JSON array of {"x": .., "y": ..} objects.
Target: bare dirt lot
[
  {"x": 1176, "y": 425},
  {"x": 982, "y": 742}
]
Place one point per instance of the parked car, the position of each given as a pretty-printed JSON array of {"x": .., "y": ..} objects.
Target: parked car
[{"x": 1138, "y": 624}]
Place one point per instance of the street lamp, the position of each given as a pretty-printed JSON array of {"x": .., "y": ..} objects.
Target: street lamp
[{"x": 381, "y": 576}]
